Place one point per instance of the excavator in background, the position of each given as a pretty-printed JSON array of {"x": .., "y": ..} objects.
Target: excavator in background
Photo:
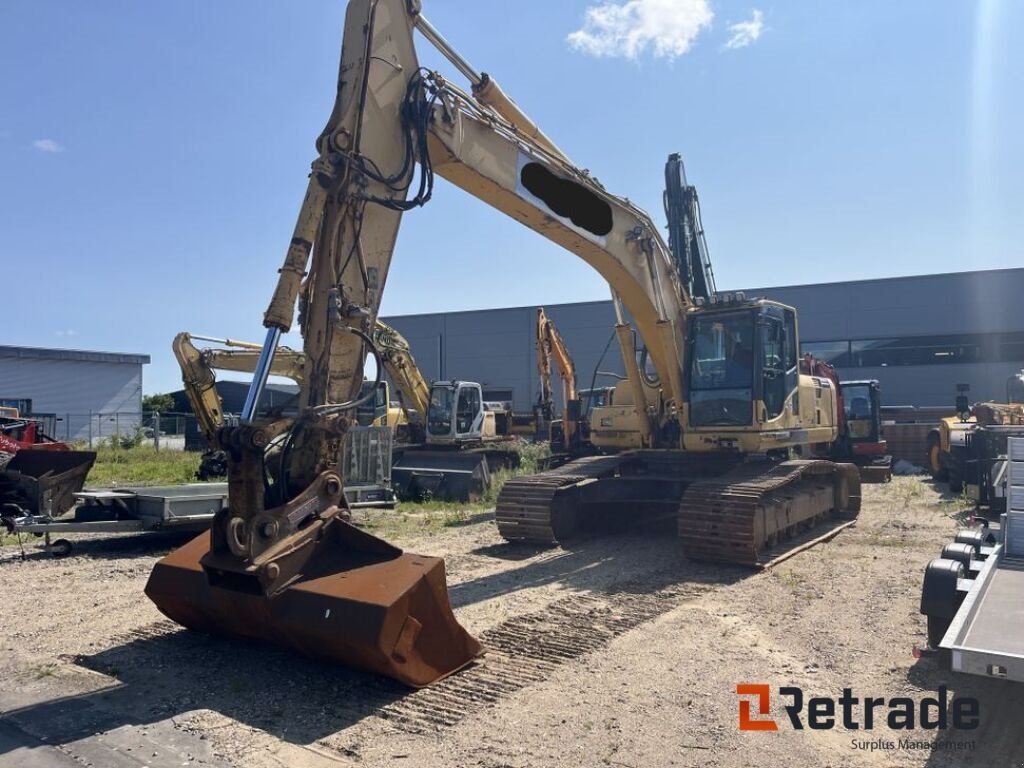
[
  {"x": 567, "y": 434},
  {"x": 448, "y": 456},
  {"x": 367, "y": 448},
  {"x": 859, "y": 413},
  {"x": 700, "y": 433},
  {"x": 455, "y": 439},
  {"x": 969, "y": 451}
]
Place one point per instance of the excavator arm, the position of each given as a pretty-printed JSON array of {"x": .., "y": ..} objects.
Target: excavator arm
[
  {"x": 550, "y": 346},
  {"x": 198, "y": 366},
  {"x": 282, "y": 562},
  {"x": 396, "y": 356}
]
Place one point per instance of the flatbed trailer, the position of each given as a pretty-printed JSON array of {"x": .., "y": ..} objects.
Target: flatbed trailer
[
  {"x": 973, "y": 595},
  {"x": 183, "y": 508}
]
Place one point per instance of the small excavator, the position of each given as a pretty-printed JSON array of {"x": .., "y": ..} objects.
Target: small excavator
[
  {"x": 703, "y": 435},
  {"x": 454, "y": 438}
]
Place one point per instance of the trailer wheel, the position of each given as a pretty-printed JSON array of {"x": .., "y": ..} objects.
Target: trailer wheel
[
  {"x": 975, "y": 538},
  {"x": 60, "y": 548},
  {"x": 940, "y": 598},
  {"x": 962, "y": 552}
]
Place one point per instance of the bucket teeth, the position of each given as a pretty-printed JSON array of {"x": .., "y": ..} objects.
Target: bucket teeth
[{"x": 358, "y": 602}]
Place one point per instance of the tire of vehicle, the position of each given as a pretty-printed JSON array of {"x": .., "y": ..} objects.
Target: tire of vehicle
[
  {"x": 937, "y": 628},
  {"x": 940, "y": 598},
  {"x": 962, "y": 552},
  {"x": 60, "y": 548},
  {"x": 975, "y": 537},
  {"x": 939, "y": 472}
]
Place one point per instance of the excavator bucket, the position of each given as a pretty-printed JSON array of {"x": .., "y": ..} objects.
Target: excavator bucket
[
  {"x": 440, "y": 474},
  {"x": 359, "y": 601},
  {"x": 43, "y": 482}
]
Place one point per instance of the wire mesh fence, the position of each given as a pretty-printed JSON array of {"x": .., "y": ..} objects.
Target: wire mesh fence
[{"x": 170, "y": 431}]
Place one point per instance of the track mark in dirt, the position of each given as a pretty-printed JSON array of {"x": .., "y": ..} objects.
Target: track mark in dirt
[
  {"x": 526, "y": 650},
  {"x": 522, "y": 651}
]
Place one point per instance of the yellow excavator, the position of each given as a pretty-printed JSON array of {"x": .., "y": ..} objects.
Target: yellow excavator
[
  {"x": 440, "y": 458},
  {"x": 283, "y": 562},
  {"x": 454, "y": 439},
  {"x": 569, "y": 433}
]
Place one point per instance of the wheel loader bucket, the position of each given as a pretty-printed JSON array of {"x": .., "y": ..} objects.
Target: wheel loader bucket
[{"x": 359, "y": 601}]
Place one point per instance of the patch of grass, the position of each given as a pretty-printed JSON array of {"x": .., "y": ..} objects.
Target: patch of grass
[
  {"x": 432, "y": 516},
  {"x": 39, "y": 671},
  {"x": 878, "y": 539},
  {"x": 142, "y": 465}
]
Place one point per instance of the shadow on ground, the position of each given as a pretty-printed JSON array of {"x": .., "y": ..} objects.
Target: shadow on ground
[
  {"x": 996, "y": 740},
  {"x": 165, "y": 672},
  {"x": 112, "y": 547}
]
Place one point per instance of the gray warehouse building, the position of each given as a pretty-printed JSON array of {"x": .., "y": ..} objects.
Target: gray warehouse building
[
  {"x": 90, "y": 394},
  {"x": 919, "y": 336}
]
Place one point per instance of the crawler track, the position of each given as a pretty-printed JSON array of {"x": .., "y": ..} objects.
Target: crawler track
[
  {"x": 541, "y": 509},
  {"x": 740, "y": 515}
]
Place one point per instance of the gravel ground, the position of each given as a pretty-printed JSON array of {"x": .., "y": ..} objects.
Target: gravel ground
[{"x": 616, "y": 651}]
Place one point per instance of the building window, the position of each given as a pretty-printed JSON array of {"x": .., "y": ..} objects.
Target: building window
[
  {"x": 835, "y": 353},
  {"x": 1010, "y": 347},
  {"x": 920, "y": 350},
  {"x": 916, "y": 350}
]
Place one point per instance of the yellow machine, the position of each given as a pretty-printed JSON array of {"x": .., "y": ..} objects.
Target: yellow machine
[
  {"x": 948, "y": 443},
  {"x": 442, "y": 413},
  {"x": 283, "y": 563},
  {"x": 568, "y": 434}
]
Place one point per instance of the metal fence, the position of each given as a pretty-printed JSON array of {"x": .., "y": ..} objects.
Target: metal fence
[{"x": 124, "y": 428}]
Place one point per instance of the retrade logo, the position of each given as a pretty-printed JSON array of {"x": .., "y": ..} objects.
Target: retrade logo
[
  {"x": 938, "y": 712},
  {"x": 762, "y": 692}
]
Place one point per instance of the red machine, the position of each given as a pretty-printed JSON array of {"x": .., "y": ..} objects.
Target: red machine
[
  {"x": 39, "y": 475},
  {"x": 860, "y": 441}
]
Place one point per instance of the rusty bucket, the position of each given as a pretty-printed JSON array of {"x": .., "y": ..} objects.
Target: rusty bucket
[{"x": 359, "y": 601}]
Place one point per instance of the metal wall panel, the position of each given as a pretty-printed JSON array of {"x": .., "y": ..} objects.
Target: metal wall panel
[
  {"x": 75, "y": 388},
  {"x": 496, "y": 346}
]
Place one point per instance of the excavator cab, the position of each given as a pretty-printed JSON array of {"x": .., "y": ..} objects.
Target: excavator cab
[
  {"x": 456, "y": 413},
  {"x": 862, "y": 401},
  {"x": 741, "y": 354}
]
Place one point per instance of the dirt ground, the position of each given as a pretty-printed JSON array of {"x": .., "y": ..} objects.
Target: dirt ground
[{"x": 616, "y": 651}]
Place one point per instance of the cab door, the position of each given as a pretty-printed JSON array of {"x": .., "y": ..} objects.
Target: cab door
[
  {"x": 779, "y": 370},
  {"x": 469, "y": 413}
]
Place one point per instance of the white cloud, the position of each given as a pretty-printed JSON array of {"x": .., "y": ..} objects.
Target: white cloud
[
  {"x": 47, "y": 145},
  {"x": 68, "y": 332},
  {"x": 743, "y": 33},
  {"x": 628, "y": 28}
]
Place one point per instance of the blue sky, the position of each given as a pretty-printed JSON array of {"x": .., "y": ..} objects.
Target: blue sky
[{"x": 153, "y": 155}]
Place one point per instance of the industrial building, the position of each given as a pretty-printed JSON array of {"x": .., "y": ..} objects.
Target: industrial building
[
  {"x": 88, "y": 394},
  {"x": 919, "y": 336}
]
